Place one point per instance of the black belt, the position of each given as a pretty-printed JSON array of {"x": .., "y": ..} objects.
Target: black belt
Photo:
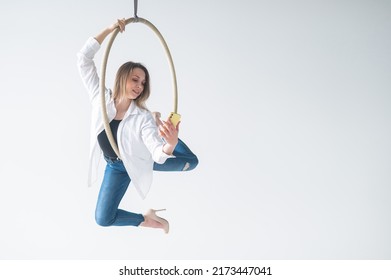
[{"x": 112, "y": 159}]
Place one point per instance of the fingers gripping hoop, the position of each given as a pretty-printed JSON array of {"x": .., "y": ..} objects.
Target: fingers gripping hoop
[{"x": 103, "y": 75}]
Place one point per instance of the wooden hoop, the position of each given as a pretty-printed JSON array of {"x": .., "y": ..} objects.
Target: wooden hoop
[{"x": 103, "y": 75}]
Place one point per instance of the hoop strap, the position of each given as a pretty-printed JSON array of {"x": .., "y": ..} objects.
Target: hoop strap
[
  {"x": 103, "y": 75},
  {"x": 135, "y": 9}
]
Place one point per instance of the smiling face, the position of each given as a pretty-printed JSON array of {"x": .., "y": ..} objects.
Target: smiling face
[
  {"x": 135, "y": 83},
  {"x": 132, "y": 82}
]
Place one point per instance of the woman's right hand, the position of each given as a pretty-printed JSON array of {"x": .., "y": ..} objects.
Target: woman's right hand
[{"x": 121, "y": 23}]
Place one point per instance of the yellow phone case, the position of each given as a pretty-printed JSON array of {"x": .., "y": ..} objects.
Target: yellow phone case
[{"x": 175, "y": 118}]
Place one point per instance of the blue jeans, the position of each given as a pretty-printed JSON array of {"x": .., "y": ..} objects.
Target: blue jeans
[
  {"x": 184, "y": 160},
  {"x": 116, "y": 181}
]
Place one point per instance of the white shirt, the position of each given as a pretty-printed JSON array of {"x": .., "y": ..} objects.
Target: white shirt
[{"x": 139, "y": 143}]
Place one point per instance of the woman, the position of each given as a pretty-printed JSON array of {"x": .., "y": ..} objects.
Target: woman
[{"x": 145, "y": 142}]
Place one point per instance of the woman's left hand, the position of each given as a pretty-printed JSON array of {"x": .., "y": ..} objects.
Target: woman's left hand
[{"x": 170, "y": 134}]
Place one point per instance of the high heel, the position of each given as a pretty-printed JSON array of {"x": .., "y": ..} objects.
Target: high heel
[{"x": 151, "y": 214}]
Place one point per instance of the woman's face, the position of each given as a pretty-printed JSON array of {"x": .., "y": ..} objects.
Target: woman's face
[{"x": 135, "y": 83}]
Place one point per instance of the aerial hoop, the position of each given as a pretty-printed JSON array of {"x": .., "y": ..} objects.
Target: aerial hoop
[{"x": 106, "y": 123}]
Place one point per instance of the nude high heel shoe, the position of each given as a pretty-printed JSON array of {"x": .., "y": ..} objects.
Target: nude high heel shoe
[{"x": 163, "y": 223}]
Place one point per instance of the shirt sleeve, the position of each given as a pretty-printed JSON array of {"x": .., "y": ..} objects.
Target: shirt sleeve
[
  {"x": 87, "y": 68},
  {"x": 153, "y": 141}
]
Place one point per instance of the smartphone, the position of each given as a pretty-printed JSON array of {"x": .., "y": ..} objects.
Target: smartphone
[{"x": 175, "y": 118}]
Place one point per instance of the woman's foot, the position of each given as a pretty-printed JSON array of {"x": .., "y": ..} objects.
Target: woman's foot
[{"x": 151, "y": 220}]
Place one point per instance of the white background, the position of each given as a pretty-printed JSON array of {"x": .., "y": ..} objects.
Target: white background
[{"x": 286, "y": 104}]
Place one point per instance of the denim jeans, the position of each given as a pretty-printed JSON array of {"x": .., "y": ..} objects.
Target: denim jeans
[
  {"x": 116, "y": 181},
  {"x": 184, "y": 160}
]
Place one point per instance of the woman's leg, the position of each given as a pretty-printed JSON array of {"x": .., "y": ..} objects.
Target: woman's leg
[
  {"x": 184, "y": 160},
  {"x": 114, "y": 186}
]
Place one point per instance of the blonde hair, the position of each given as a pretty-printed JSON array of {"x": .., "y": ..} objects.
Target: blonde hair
[{"x": 119, "y": 91}]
